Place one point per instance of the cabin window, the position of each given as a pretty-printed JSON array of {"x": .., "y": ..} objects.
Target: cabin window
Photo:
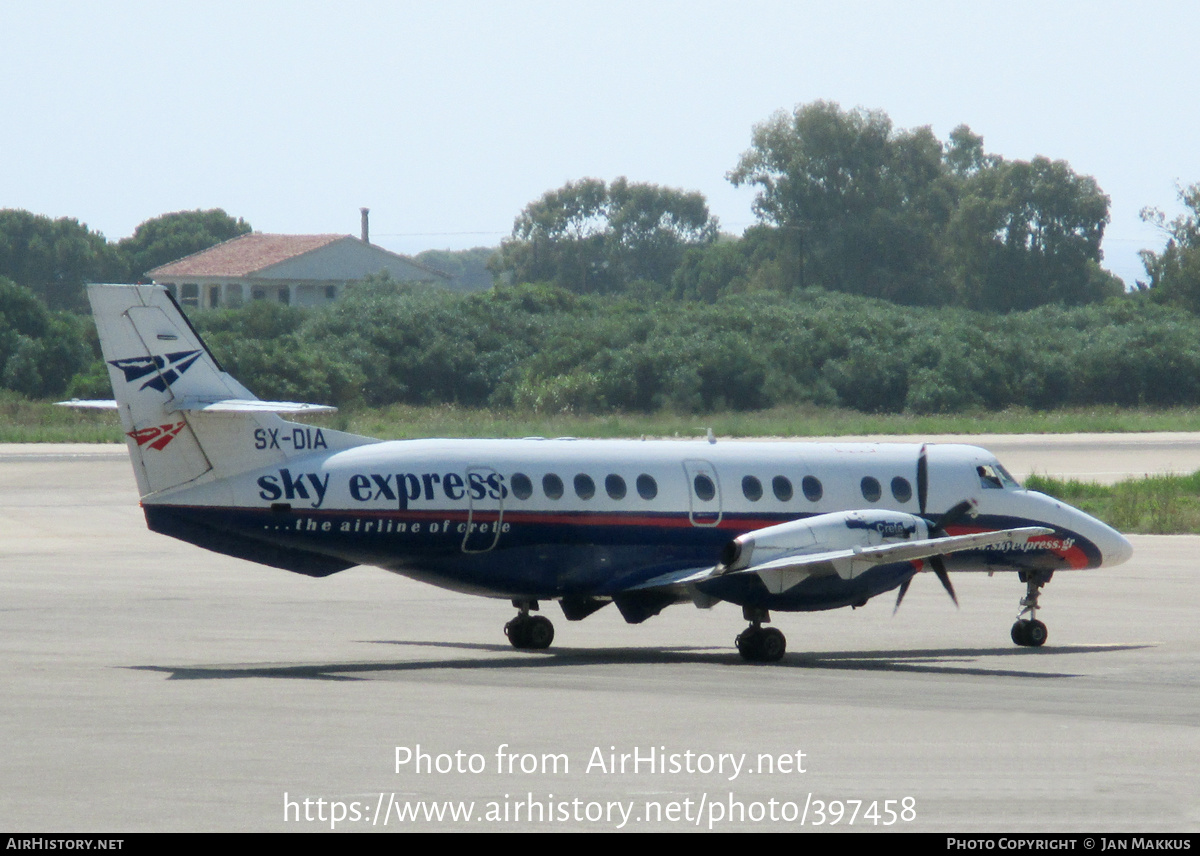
[
  {"x": 813, "y": 491},
  {"x": 552, "y": 486},
  {"x": 782, "y": 487},
  {"x": 522, "y": 487},
  {"x": 585, "y": 488},
  {"x": 615, "y": 486},
  {"x": 752, "y": 488},
  {"x": 705, "y": 489},
  {"x": 647, "y": 487},
  {"x": 901, "y": 489},
  {"x": 871, "y": 489}
]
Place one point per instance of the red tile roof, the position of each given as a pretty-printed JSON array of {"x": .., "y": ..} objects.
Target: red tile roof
[{"x": 243, "y": 255}]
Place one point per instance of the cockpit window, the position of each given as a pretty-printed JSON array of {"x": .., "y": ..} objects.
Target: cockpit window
[
  {"x": 995, "y": 477},
  {"x": 1007, "y": 477}
]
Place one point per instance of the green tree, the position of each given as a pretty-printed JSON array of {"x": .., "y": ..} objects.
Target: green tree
[
  {"x": 1026, "y": 233},
  {"x": 1175, "y": 272},
  {"x": 172, "y": 236},
  {"x": 596, "y": 238},
  {"x": 54, "y": 258},
  {"x": 40, "y": 350},
  {"x": 859, "y": 204}
]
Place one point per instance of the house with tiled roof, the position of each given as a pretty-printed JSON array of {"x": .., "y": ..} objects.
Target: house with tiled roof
[{"x": 299, "y": 270}]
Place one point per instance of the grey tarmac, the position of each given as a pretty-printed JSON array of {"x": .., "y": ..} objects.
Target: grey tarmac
[{"x": 151, "y": 685}]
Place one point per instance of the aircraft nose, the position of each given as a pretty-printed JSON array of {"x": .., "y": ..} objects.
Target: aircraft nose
[{"x": 1115, "y": 549}]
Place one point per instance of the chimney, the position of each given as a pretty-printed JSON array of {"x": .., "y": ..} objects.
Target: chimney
[{"x": 366, "y": 230}]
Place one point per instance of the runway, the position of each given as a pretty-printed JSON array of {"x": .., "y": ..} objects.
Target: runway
[{"x": 150, "y": 685}]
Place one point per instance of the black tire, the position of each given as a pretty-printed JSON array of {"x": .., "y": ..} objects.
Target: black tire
[
  {"x": 539, "y": 632},
  {"x": 771, "y": 645},
  {"x": 748, "y": 645},
  {"x": 1018, "y": 632},
  {"x": 517, "y": 631},
  {"x": 1036, "y": 634}
]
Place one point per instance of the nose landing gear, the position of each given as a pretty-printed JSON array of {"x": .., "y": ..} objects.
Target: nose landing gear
[
  {"x": 529, "y": 632},
  {"x": 1029, "y": 632}
]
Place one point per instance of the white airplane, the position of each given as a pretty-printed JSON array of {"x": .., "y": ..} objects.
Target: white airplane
[{"x": 789, "y": 527}]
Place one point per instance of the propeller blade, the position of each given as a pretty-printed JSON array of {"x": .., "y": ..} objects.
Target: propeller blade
[
  {"x": 900, "y": 597},
  {"x": 922, "y": 480},
  {"x": 963, "y": 509},
  {"x": 939, "y": 568},
  {"x": 937, "y": 528}
]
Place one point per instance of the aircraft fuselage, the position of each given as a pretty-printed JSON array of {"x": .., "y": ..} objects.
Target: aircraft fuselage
[{"x": 569, "y": 518}]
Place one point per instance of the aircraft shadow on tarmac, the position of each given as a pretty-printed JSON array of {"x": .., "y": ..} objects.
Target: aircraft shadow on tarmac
[{"x": 943, "y": 661}]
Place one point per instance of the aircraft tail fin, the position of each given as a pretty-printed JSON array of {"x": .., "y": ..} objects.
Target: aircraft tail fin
[{"x": 187, "y": 420}]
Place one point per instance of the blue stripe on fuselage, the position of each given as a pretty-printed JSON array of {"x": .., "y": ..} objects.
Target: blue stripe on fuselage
[{"x": 535, "y": 554}]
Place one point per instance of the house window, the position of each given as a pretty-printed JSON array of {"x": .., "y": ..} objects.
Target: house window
[{"x": 189, "y": 294}]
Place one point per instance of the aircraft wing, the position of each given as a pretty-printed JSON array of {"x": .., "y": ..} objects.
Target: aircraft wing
[{"x": 781, "y": 574}]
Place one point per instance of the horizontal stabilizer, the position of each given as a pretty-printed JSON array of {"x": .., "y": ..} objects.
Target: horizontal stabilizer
[
  {"x": 89, "y": 404},
  {"x": 251, "y": 405},
  {"x": 206, "y": 405}
]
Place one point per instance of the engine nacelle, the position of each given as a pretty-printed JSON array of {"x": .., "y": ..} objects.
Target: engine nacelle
[{"x": 842, "y": 530}]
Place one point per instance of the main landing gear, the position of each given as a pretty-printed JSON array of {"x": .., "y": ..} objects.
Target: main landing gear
[
  {"x": 529, "y": 632},
  {"x": 758, "y": 644},
  {"x": 1029, "y": 632}
]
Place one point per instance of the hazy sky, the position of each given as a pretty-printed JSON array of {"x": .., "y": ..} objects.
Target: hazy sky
[{"x": 447, "y": 118}]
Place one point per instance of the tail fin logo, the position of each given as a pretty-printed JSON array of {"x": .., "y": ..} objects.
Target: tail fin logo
[
  {"x": 174, "y": 364},
  {"x": 156, "y": 436}
]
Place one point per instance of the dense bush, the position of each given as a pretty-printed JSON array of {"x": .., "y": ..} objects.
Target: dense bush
[{"x": 541, "y": 348}]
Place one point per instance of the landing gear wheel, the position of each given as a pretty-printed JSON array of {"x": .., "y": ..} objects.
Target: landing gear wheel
[
  {"x": 517, "y": 631},
  {"x": 1030, "y": 634},
  {"x": 761, "y": 645},
  {"x": 539, "y": 632},
  {"x": 747, "y": 644},
  {"x": 771, "y": 645},
  {"x": 530, "y": 632}
]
